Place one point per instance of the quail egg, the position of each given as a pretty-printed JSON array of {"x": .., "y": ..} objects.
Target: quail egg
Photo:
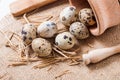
[
  {"x": 86, "y": 16},
  {"x": 28, "y": 33},
  {"x": 68, "y": 15},
  {"x": 79, "y": 30},
  {"x": 65, "y": 40},
  {"x": 42, "y": 47},
  {"x": 47, "y": 29}
]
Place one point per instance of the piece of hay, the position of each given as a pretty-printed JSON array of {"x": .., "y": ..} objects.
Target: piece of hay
[
  {"x": 74, "y": 63},
  {"x": 17, "y": 64},
  {"x": 7, "y": 43},
  {"x": 49, "y": 68},
  {"x": 25, "y": 60},
  {"x": 62, "y": 73},
  {"x": 60, "y": 52},
  {"x": 65, "y": 52},
  {"x": 2, "y": 76},
  {"x": 90, "y": 45},
  {"x": 43, "y": 65}
]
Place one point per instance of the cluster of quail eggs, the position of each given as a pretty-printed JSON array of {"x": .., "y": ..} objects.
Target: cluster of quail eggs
[
  {"x": 77, "y": 23},
  {"x": 37, "y": 37}
]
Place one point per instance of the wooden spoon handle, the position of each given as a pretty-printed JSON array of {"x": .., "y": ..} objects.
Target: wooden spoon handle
[
  {"x": 100, "y": 54},
  {"x": 20, "y": 7}
]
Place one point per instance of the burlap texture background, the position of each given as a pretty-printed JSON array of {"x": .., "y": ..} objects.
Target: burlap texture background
[{"x": 108, "y": 69}]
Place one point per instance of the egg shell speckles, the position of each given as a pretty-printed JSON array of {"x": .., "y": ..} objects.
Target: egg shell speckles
[
  {"x": 68, "y": 15},
  {"x": 28, "y": 33},
  {"x": 86, "y": 16},
  {"x": 79, "y": 30},
  {"x": 65, "y": 40},
  {"x": 47, "y": 29},
  {"x": 42, "y": 47}
]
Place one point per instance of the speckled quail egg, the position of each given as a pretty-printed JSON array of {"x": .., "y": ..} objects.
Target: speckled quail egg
[
  {"x": 86, "y": 16},
  {"x": 68, "y": 15},
  {"x": 28, "y": 33},
  {"x": 47, "y": 29},
  {"x": 42, "y": 47},
  {"x": 79, "y": 30},
  {"x": 65, "y": 40}
]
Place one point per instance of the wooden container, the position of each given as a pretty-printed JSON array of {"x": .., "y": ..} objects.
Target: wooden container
[{"x": 107, "y": 13}]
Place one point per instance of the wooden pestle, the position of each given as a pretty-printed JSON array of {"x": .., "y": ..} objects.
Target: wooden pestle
[
  {"x": 20, "y": 7},
  {"x": 97, "y": 55}
]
